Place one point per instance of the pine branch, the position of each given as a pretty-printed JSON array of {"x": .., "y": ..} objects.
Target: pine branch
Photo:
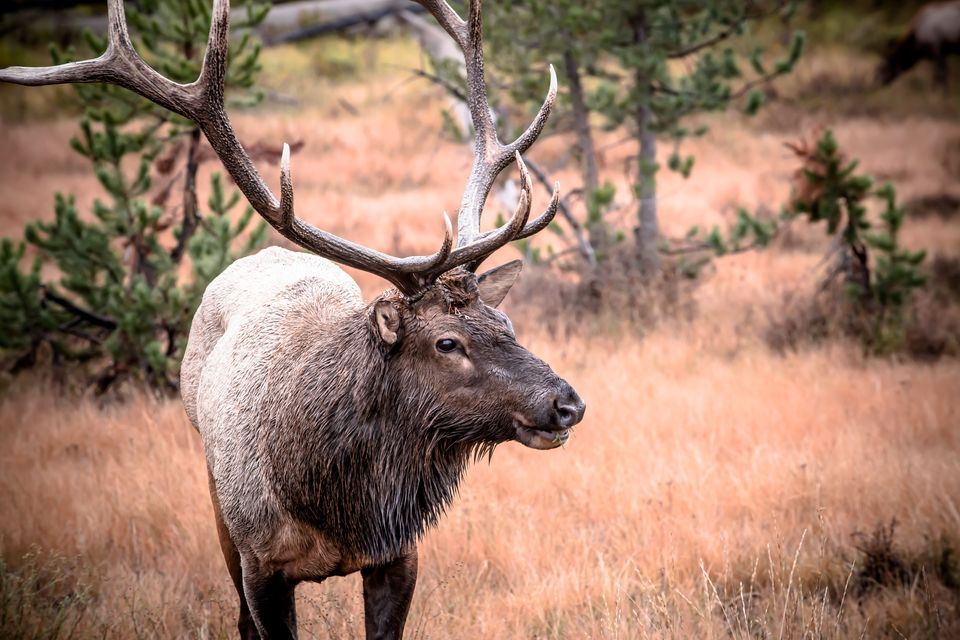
[
  {"x": 446, "y": 85},
  {"x": 77, "y": 333},
  {"x": 700, "y": 247},
  {"x": 89, "y": 316},
  {"x": 191, "y": 214},
  {"x": 725, "y": 33},
  {"x": 705, "y": 44}
]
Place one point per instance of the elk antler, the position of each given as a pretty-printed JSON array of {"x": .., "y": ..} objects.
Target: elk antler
[
  {"x": 203, "y": 102},
  {"x": 490, "y": 155}
]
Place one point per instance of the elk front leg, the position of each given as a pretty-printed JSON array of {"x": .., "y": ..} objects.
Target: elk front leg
[
  {"x": 387, "y": 592},
  {"x": 942, "y": 72},
  {"x": 245, "y": 624},
  {"x": 271, "y": 602}
]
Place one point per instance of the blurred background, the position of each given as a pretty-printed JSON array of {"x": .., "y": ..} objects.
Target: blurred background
[{"x": 753, "y": 281}]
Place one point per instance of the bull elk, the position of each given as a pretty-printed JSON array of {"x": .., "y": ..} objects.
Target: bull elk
[
  {"x": 336, "y": 432},
  {"x": 934, "y": 35}
]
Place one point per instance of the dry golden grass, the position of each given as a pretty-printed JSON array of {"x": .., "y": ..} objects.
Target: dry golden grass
[
  {"x": 713, "y": 489},
  {"x": 696, "y": 474}
]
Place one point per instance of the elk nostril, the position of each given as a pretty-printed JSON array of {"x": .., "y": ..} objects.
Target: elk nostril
[
  {"x": 568, "y": 408},
  {"x": 566, "y": 414}
]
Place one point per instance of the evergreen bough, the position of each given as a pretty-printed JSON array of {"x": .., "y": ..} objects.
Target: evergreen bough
[
  {"x": 114, "y": 292},
  {"x": 829, "y": 189}
]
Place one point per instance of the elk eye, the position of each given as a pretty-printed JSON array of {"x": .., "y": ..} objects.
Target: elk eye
[{"x": 446, "y": 345}]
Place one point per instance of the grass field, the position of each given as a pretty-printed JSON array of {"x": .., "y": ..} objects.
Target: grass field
[{"x": 715, "y": 488}]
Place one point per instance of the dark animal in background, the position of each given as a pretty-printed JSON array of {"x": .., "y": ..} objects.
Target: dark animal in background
[
  {"x": 934, "y": 35},
  {"x": 336, "y": 431}
]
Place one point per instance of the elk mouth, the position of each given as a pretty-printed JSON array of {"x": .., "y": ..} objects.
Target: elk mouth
[{"x": 534, "y": 438}]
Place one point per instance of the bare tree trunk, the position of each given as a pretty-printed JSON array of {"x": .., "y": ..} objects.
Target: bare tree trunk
[
  {"x": 191, "y": 215},
  {"x": 588, "y": 155},
  {"x": 596, "y": 229},
  {"x": 647, "y": 233}
]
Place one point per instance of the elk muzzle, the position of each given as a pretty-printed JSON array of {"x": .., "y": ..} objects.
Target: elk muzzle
[{"x": 562, "y": 410}]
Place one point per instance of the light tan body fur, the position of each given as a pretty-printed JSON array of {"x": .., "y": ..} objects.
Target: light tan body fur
[
  {"x": 937, "y": 24},
  {"x": 934, "y": 35},
  {"x": 251, "y": 320}
]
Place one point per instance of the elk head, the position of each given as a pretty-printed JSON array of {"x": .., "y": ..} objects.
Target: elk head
[
  {"x": 457, "y": 363},
  {"x": 440, "y": 323},
  {"x": 900, "y": 57}
]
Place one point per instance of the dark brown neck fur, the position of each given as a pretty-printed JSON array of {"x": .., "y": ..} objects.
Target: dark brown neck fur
[{"x": 366, "y": 460}]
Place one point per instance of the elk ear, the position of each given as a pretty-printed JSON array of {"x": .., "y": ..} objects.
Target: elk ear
[
  {"x": 387, "y": 318},
  {"x": 495, "y": 284}
]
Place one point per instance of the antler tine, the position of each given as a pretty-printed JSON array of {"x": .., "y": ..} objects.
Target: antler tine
[
  {"x": 213, "y": 73},
  {"x": 532, "y": 132},
  {"x": 490, "y": 155},
  {"x": 540, "y": 222},
  {"x": 451, "y": 22},
  {"x": 286, "y": 189},
  {"x": 117, "y": 33},
  {"x": 119, "y": 64},
  {"x": 475, "y": 253}
]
